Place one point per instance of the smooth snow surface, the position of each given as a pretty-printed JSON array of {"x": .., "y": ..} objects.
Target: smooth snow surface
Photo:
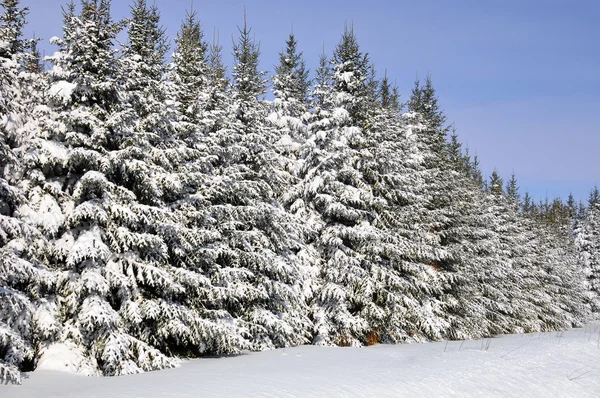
[{"x": 535, "y": 365}]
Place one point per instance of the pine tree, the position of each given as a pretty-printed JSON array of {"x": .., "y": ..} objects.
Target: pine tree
[
  {"x": 321, "y": 83},
  {"x": 424, "y": 101},
  {"x": 190, "y": 69},
  {"x": 350, "y": 78},
  {"x": 587, "y": 240},
  {"x": 23, "y": 280},
  {"x": 290, "y": 83},
  {"x": 248, "y": 80},
  {"x": 496, "y": 184},
  {"x": 388, "y": 95},
  {"x": 12, "y": 22},
  {"x": 512, "y": 189}
]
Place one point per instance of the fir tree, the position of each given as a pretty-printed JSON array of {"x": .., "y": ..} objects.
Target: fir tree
[
  {"x": 424, "y": 101},
  {"x": 496, "y": 184},
  {"x": 12, "y": 22},
  {"x": 350, "y": 78},
  {"x": 249, "y": 82},
  {"x": 24, "y": 281},
  {"x": 321, "y": 83},
  {"x": 290, "y": 83},
  {"x": 512, "y": 189},
  {"x": 587, "y": 240},
  {"x": 190, "y": 70}
]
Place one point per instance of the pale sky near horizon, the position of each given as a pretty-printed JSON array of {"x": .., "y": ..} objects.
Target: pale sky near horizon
[{"x": 520, "y": 79}]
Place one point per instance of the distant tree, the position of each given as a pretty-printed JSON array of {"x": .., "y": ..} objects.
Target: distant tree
[
  {"x": 496, "y": 184},
  {"x": 190, "y": 72},
  {"x": 512, "y": 189},
  {"x": 321, "y": 83},
  {"x": 12, "y": 21},
  {"x": 388, "y": 94},
  {"x": 249, "y": 82},
  {"x": 424, "y": 101},
  {"x": 290, "y": 83},
  {"x": 350, "y": 78}
]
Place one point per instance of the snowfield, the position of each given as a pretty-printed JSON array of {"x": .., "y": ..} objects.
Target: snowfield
[{"x": 558, "y": 364}]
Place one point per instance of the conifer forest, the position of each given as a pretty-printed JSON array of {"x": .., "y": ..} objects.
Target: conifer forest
[{"x": 157, "y": 204}]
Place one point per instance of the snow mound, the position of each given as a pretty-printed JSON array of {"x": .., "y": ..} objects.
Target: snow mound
[{"x": 65, "y": 358}]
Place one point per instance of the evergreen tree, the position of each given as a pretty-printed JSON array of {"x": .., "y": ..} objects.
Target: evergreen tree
[
  {"x": 215, "y": 64},
  {"x": 12, "y": 22},
  {"x": 512, "y": 189},
  {"x": 290, "y": 86},
  {"x": 321, "y": 83},
  {"x": 24, "y": 281},
  {"x": 350, "y": 79},
  {"x": 290, "y": 83},
  {"x": 190, "y": 69},
  {"x": 216, "y": 98},
  {"x": 587, "y": 240},
  {"x": 424, "y": 101},
  {"x": 252, "y": 253},
  {"x": 109, "y": 250},
  {"x": 249, "y": 82},
  {"x": 496, "y": 184},
  {"x": 388, "y": 95}
]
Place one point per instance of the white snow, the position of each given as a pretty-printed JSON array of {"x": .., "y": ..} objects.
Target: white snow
[
  {"x": 62, "y": 90},
  {"x": 535, "y": 365},
  {"x": 65, "y": 358}
]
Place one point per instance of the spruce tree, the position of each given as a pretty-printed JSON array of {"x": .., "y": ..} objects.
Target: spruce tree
[
  {"x": 424, "y": 101},
  {"x": 190, "y": 70},
  {"x": 290, "y": 87},
  {"x": 24, "y": 281},
  {"x": 321, "y": 83},
  {"x": 290, "y": 83},
  {"x": 587, "y": 240},
  {"x": 253, "y": 249},
  {"x": 496, "y": 184},
  {"x": 512, "y": 190},
  {"x": 108, "y": 227},
  {"x": 350, "y": 78}
]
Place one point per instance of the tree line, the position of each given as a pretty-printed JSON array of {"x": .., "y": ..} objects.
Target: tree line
[{"x": 151, "y": 211}]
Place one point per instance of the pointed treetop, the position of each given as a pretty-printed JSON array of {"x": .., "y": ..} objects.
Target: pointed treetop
[
  {"x": 12, "y": 21},
  {"x": 496, "y": 184},
  {"x": 291, "y": 78},
  {"x": 512, "y": 189},
  {"x": 594, "y": 198},
  {"x": 249, "y": 82}
]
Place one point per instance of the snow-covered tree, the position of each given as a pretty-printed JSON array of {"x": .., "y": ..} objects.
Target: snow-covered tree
[
  {"x": 350, "y": 78},
  {"x": 23, "y": 280},
  {"x": 290, "y": 83},
  {"x": 95, "y": 184},
  {"x": 587, "y": 240},
  {"x": 288, "y": 110},
  {"x": 321, "y": 83},
  {"x": 190, "y": 70},
  {"x": 496, "y": 184}
]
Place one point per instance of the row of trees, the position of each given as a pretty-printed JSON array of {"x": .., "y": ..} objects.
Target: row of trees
[{"x": 152, "y": 211}]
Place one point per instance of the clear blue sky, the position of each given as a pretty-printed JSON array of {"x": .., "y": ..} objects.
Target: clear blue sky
[{"x": 519, "y": 78}]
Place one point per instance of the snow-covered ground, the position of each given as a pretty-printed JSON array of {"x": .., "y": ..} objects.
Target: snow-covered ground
[{"x": 559, "y": 364}]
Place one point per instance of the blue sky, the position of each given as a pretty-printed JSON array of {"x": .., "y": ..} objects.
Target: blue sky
[{"x": 520, "y": 79}]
